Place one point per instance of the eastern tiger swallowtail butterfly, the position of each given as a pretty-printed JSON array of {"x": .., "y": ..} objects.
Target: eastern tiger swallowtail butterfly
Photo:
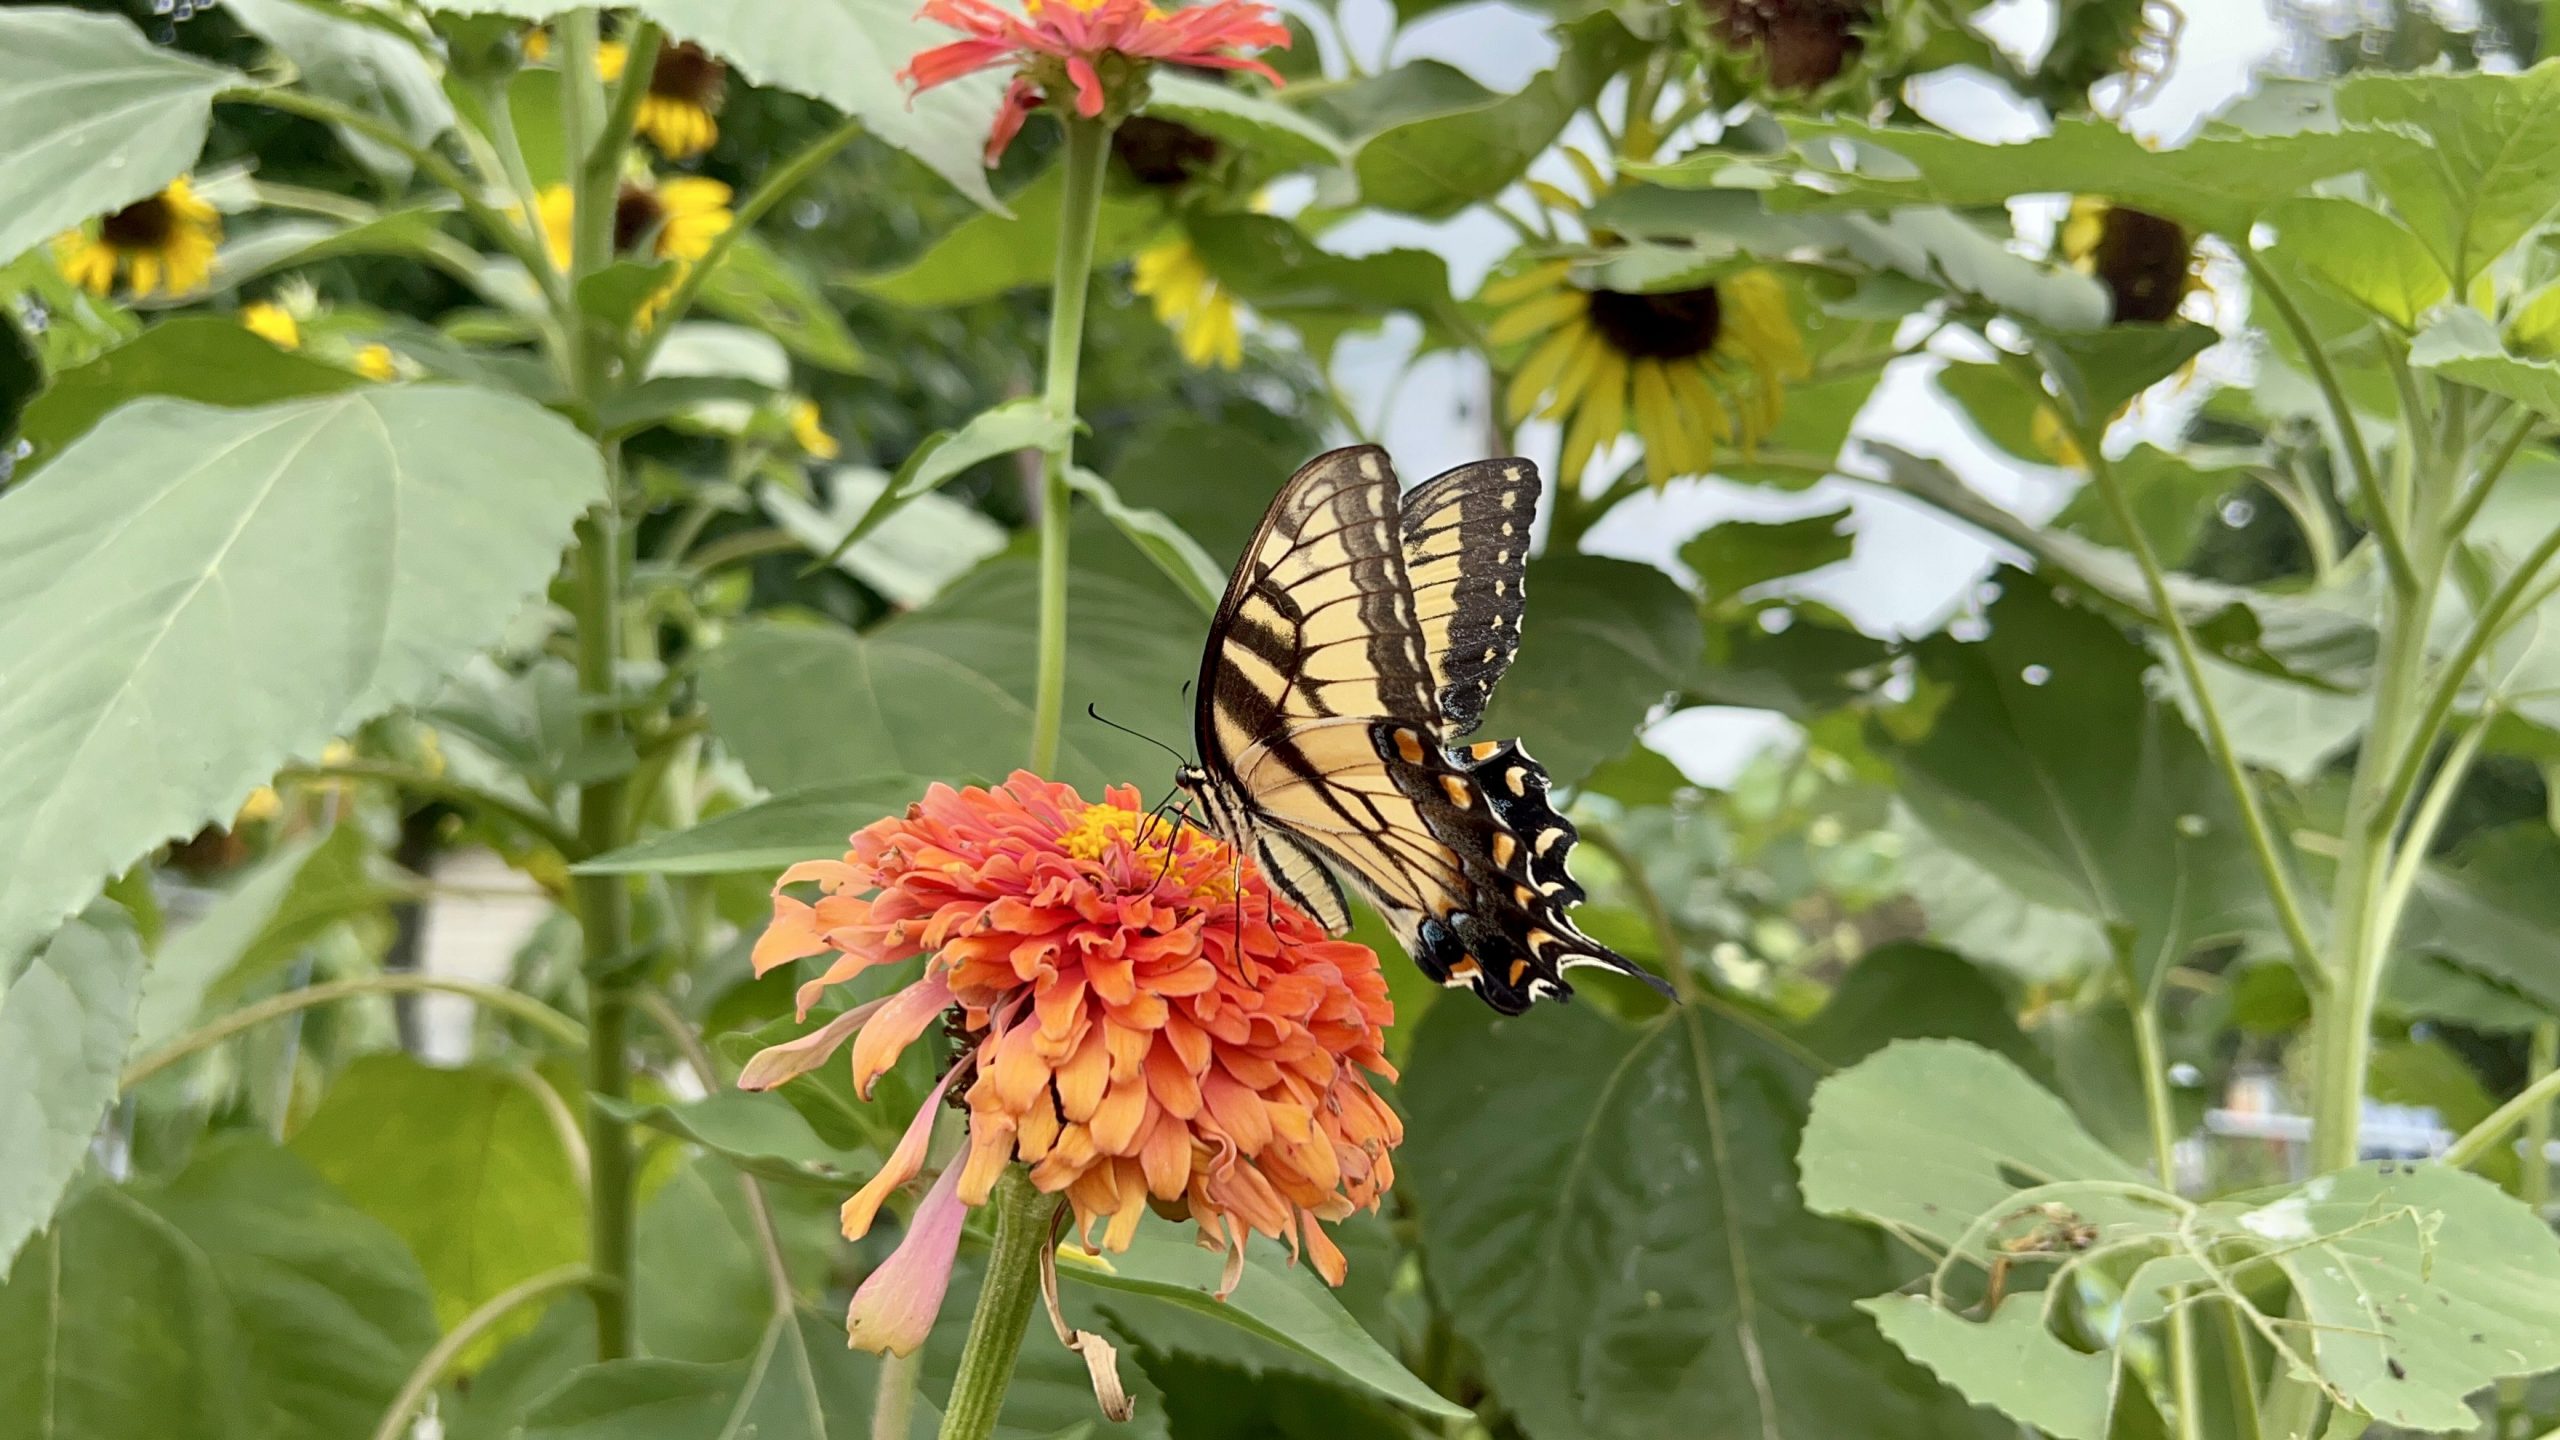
[{"x": 1355, "y": 649}]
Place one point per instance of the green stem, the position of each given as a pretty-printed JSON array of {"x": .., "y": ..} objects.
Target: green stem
[
  {"x": 2164, "y": 1138},
  {"x": 2535, "y": 1189},
  {"x": 1088, "y": 148},
  {"x": 2243, "y": 1374},
  {"x": 2466, "y": 509},
  {"x": 496, "y": 997},
  {"x": 604, "y": 919},
  {"x": 2272, "y": 870},
  {"x": 1005, "y": 1301},
  {"x": 422, "y": 1380},
  {"x": 2342, "y": 415},
  {"x": 2451, "y": 676},
  {"x": 893, "y": 1403}
]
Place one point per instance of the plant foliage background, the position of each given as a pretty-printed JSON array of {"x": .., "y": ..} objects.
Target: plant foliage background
[{"x": 380, "y": 537}]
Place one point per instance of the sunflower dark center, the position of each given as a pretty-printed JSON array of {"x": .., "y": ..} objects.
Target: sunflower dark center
[
  {"x": 687, "y": 72},
  {"x": 1802, "y": 42},
  {"x": 1672, "y": 325},
  {"x": 636, "y": 216},
  {"x": 1162, "y": 153},
  {"x": 146, "y": 224},
  {"x": 2142, "y": 260}
]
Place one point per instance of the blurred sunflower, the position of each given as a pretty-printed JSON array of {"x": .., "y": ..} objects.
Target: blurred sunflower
[
  {"x": 686, "y": 88},
  {"x": 1801, "y": 45},
  {"x": 272, "y": 323},
  {"x": 1163, "y": 154},
  {"x": 163, "y": 243},
  {"x": 1204, "y": 318},
  {"x": 809, "y": 432},
  {"x": 376, "y": 362},
  {"x": 2148, "y": 264},
  {"x": 1135, "y": 1025},
  {"x": 1696, "y": 369},
  {"x": 677, "y": 219}
]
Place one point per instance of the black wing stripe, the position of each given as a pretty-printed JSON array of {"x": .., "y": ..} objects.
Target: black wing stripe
[{"x": 1466, "y": 546}]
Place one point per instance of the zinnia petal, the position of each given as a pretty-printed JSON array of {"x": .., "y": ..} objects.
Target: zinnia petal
[
  {"x": 891, "y": 1029},
  {"x": 775, "y": 1064},
  {"x": 895, "y": 1306},
  {"x": 904, "y": 1163}
]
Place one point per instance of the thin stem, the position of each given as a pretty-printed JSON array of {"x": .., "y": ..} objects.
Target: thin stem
[
  {"x": 2243, "y": 1374},
  {"x": 2532, "y": 1106},
  {"x": 2272, "y": 871},
  {"x": 893, "y": 1403},
  {"x": 1005, "y": 1302},
  {"x": 524, "y": 1007},
  {"x": 1088, "y": 148},
  {"x": 2420, "y": 836},
  {"x": 493, "y": 222},
  {"x": 777, "y": 184},
  {"x": 541, "y": 824},
  {"x": 2467, "y": 509},
  {"x": 582, "y": 117},
  {"x": 431, "y": 1367},
  {"x": 2456, "y": 671},
  {"x": 2156, "y": 1106},
  {"x": 640, "y": 62},
  {"x": 2342, "y": 416},
  {"x": 2535, "y": 1181}
]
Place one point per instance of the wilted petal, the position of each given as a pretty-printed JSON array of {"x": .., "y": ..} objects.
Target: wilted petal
[
  {"x": 894, "y": 1308},
  {"x": 904, "y": 1163}
]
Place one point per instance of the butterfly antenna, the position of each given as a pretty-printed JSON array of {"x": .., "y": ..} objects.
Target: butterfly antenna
[
  {"x": 1141, "y": 734},
  {"x": 1171, "y": 844}
]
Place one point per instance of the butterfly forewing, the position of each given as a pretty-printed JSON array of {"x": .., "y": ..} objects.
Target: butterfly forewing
[{"x": 1466, "y": 553}]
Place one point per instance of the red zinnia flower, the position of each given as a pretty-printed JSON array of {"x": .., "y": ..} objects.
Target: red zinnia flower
[
  {"x": 1128, "y": 1033},
  {"x": 1095, "y": 47}
]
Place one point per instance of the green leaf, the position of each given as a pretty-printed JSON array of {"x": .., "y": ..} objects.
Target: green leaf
[
  {"x": 2217, "y": 181},
  {"x": 283, "y": 903},
  {"x": 760, "y": 1134},
  {"x": 1605, "y": 641},
  {"x": 923, "y": 544},
  {"x": 240, "y": 1301},
  {"x": 467, "y": 1166},
  {"x": 2173, "y": 495},
  {"x": 799, "y": 1383},
  {"x": 2489, "y": 907},
  {"x": 64, "y": 1022},
  {"x": 92, "y": 118},
  {"x": 2461, "y": 345},
  {"x": 2479, "y": 179},
  {"x": 1172, "y": 550},
  {"x": 1906, "y": 989},
  {"x": 1929, "y": 1137},
  {"x": 2100, "y": 371},
  {"x": 2053, "y": 767},
  {"x": 360, "y": 65},
  {"x": 2362, "y": 254},
  {"x": 204, "y": 358},
  {"x": 2423, "y": 1285},
  {"x": 346, "y": 551},
  {"x": 2010, "y": 1362},
  {"x": 1609, "y": 1215},
  {"x": 946, "y": 691},
  {"x": 1249, "y": 119},
  {"x": 1741, "y": 555},
  {"x": 1285, "y": 1305},
  {"x": 768, "y": 835},
  {"x": 1026, "y": 424},
  {"x": 986, "y": 255},
  {"x": 755, "y": 286},
  {"x": 848, "y": 53},
  {"x": 1272, "y": 265},
  {"x": 1435, "y": 142}
]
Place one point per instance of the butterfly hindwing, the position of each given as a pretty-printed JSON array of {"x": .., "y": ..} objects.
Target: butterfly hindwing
[{"x": 1466, "y": 554}]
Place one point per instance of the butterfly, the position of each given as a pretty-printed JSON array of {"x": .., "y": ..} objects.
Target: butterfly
[{"x": 1356, "y": 647}]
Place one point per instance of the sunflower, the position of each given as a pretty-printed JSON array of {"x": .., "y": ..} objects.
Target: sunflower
[
  {"x": 163, "y": 243},
  {"x": 1802, "y": 45},
  {"x": 676, "y": 219},
  {"x": 376, "y": 362},
  {"x": 1163, "y": 154},
  {"x": 1697, "y": 369},
  {"x": 1202, "y": 315},
  {"x": 2148, "y": 264},
  {"x": 685, "y": 90},
  {"x": 809, "y": 432}
]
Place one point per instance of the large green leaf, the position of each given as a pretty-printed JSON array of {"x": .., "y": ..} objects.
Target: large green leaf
[
  {"x": 359, "y": 64},
  {"x": 63, "y": 1028},
  {"x": 1436, "y": 142},
  {"x": 1609, "y": 1214},
  {"x": 946, "y": 691},
  {"x": 241, "y": 1301},
  {"x": 848, "y": 53},
  {"x": 799, "y": 825},
  {"x": 92, "y": 118},
  {"x": 2489, "y": 907},
  {"x": 468, "y": 1166},
  {"x": 755, "y": 286},
  {"x": 1286, "y": 1306},
  {"x": 799, "y": 1383},
  {"x": 2460, "y": 344},
  {"x": 987, "y": 255},
  {"x": 1741, "y": 555},
  {"x": 2482, "y": 175},
  {"x": 1604, "y": 643},
  {"x": 919, "y": 546},
  {"x": 2053, "y": 767},
  {"x": 205, "y": 358},
  {"x": 1279, "y": 133},
  {"x": 313, "y": 563},
  {"x": 2219, "y": 181},
  {"x": 2363, "y": 254},
  {"x": 2010, "y": 1362}
]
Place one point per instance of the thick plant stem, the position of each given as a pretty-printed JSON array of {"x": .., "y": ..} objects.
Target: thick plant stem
[
  {"x": 893, "y": 1404},
  {"x": 1005, "y": 1301},
  {"x": 604, "y": 921},
  {"x": 1088, "y": 148},
  {"x": 2164, "y": 1139}
]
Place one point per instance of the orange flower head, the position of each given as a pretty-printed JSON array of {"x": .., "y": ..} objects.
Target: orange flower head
[
  {"x": 1144, "y": 1024},
  {"x": 1098, "y": 50}
]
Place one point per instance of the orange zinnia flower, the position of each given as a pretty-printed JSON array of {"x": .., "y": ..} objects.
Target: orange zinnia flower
[
  {"x": 1098, "y": 48},
  {"x": 1143, "y": 1023}
]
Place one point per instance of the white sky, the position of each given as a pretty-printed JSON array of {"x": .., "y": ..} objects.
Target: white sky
[{"x": 1909, "y": 567}]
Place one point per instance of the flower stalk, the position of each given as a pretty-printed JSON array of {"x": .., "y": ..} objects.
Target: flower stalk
[
  {"x": 1005, "y": 1301},
  {"x": 1088, "y": 149}
]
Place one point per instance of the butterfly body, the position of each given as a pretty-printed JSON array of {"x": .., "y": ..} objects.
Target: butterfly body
[{"x": 1357, "y": 644}]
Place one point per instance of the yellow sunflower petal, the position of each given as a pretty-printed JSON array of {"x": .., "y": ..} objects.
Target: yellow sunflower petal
[
  {"x": 142, "y": 272},
  {"x": 84, "y": 262},
  {"x": 1589, "y": 354},
  {"x": 1555, "y": 197},
  {"x": 1536, "y": 316},
  {"x": 1706, "y": 413},
  {"x": 1666, "y": 440},
  {"x": 1542, "y": 369},
  {"x": 2082, "y": 229},
  {"x": 1589, "y": 169},
  {"x": 559, "y": 213},
  {"x": 1525, "y": 284},
  {"x": 1598, "y": 420}
]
